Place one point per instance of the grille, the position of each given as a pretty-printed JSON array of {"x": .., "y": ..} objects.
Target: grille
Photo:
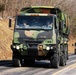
[{"x": 32, "y": 42}]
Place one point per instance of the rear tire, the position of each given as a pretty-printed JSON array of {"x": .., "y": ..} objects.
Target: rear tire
[
  {"x": 55, "y": 61},
  {"x": 63, "y": 58},
  {"x": 67, "y": 51}
]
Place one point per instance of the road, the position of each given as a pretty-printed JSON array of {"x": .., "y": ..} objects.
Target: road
[{"x": 39, "y": 68}]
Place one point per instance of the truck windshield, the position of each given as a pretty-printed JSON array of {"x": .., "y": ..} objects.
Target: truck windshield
[{"x": 27, "y": 22}]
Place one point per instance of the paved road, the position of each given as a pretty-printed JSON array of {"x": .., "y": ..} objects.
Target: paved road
[{"x": 39, "y": 68}]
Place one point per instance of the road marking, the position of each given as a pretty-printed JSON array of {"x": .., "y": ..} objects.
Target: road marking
[
  {"x": 71, "y": 66},
  {"x": 68, "y": 71}
]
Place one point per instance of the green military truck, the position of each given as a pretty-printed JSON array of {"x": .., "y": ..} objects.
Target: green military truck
[{"x": 40, "y": 33}]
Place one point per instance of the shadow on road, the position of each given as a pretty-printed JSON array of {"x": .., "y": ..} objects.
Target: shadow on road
[
  {"x": 38, "y": 64},
  {"x": 6, "y": 63}
]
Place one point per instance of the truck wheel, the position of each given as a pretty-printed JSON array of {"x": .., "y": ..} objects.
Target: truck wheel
[
  {"x": 67, "y": 52},
  {"x": 63, "y": 59},
  {"x": 75, "y": 51},
  {"x": 16, "y": 62},
  {"x": 63, "y": 56},
  {"x": 55, "y": 61}
]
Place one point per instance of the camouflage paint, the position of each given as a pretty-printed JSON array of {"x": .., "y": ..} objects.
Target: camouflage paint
[
  {"x": 32, "y": 33},
  {"x": 47, "y": 10},
  {"x": 54, "y": 36},
  {"x": 45, "y": 38},
  {"x": 16, "y": 36},
  {"x": 36, "y": 9}
]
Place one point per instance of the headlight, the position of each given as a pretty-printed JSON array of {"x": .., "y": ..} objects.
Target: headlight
[
  {"x": 14, "y": 46},
  {"x": 52, "y": 47},
  {"x": 47, "y": 48},
  {"x": 17, "y": 47}
]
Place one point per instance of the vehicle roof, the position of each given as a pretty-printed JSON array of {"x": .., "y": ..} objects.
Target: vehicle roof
[
  {"x": 36, "y": 14},
  {"x": 40, "y": 7},
  {"x": 33, "y": 9}
]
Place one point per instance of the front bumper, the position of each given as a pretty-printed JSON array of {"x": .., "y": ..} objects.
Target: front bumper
[{"x": 40, "y": 50}]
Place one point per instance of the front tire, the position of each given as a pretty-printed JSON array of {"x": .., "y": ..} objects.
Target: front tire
[{"x": 16, "y": 62}]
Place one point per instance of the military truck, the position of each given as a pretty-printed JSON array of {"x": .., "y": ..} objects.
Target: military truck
[{"x": 40, "y": 33}]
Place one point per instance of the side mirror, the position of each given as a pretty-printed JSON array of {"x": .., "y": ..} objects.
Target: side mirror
[
  {"x": 72, "y": 44},
  {"x": 10, "y": 22}
]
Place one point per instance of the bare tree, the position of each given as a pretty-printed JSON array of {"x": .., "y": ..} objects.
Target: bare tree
[{"x": 2, "y": 8}]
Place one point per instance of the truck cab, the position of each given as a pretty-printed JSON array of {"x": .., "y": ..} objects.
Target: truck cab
[{"x": 35, "y": 37}]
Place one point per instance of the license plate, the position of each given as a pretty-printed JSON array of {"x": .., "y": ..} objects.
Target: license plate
[{"x": 40, "y": 47}]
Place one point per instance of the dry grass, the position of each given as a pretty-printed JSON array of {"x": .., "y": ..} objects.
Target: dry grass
[{"x": 5, "y": 40}]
